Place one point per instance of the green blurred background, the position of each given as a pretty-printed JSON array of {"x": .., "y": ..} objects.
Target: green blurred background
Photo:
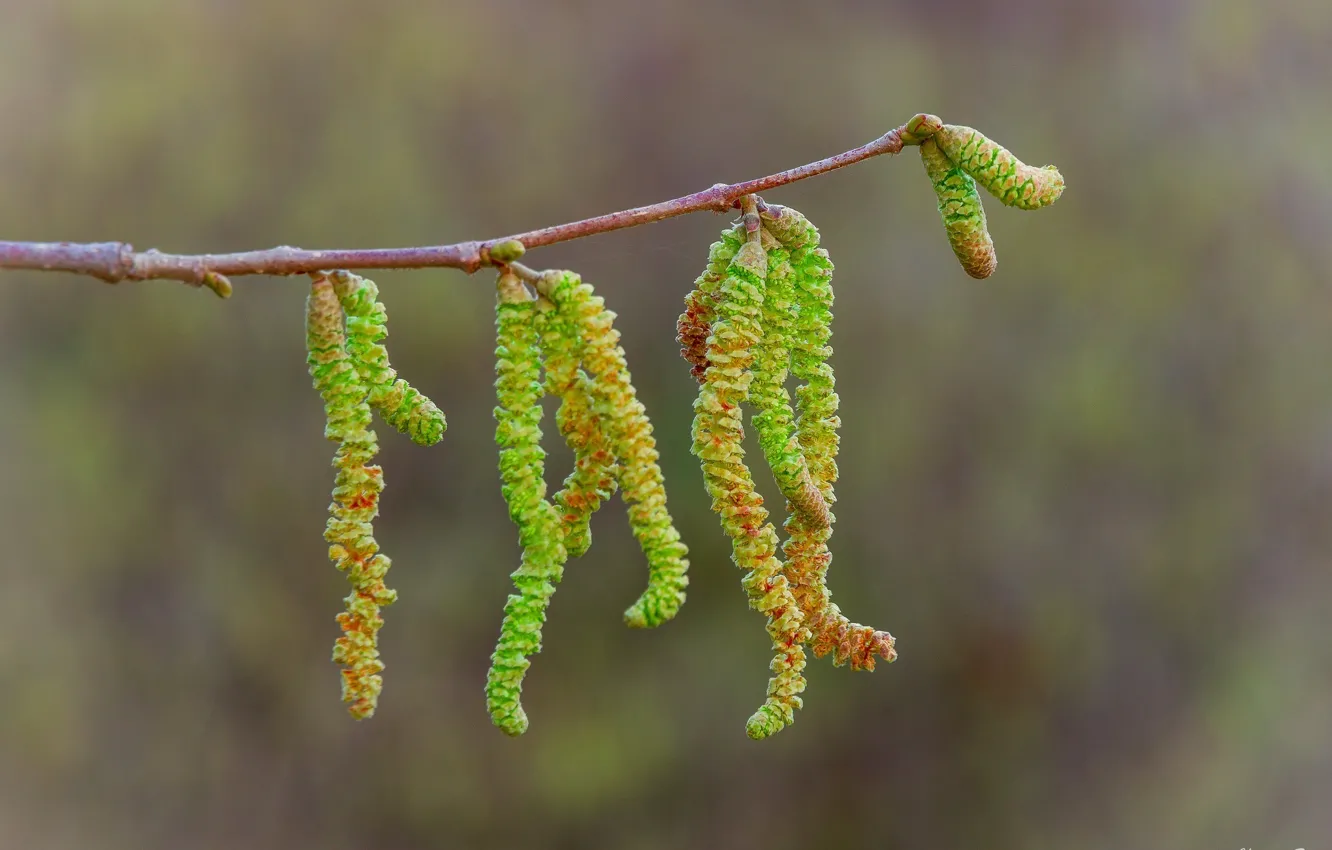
[{"x": 1090, "y": 496}]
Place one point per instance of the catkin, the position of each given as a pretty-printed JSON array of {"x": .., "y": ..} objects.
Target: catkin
[
  {"x": 961, "y": 211},
  {"x": 632, "y": 444},
  {"x": 718, "y": 433},
  {"x": 817, "y": 422},
  {"x": 774, "y": 419},
  {"x": 1003, "y": 175},
  {"x": 583, "y": 426},
  {"x": 401, "y": 405},
  {"x": 522, "y": 467},
  {"x": 356, "y": 490}
]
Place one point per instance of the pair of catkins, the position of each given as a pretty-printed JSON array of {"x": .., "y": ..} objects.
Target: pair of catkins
[
  {"x": 344, "y": 328},
  {"x": 558, "y": 325},
  {"x": 956, "y": 159}
]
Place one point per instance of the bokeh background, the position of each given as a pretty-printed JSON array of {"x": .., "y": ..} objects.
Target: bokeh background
[{"x": 1091, "y": 495}]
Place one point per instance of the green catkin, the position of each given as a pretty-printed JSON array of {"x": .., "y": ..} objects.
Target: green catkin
[
  {"x": 584, "y": 428},
  {"x": 961, "y": 211},
  {"x": 806, "y": 547},
  {"x": 695, "y": 323},
  {"x": 774, "y": 418},
  {"x": 356, "y": 490},
  {"x": 1003, "y": 175},
  {"x": 632, "y": 445},
  {"x": 401, "y": 405},
  {"x": 718, "y": 433},
  {"x": 522, "y": 468}
]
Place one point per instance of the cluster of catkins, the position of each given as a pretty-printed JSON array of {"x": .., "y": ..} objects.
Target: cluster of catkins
[
  {"x": 956, "y": 159},
  {"x": 557, "y": 337},
  {"x": 759, "y": 314},
  {"x": 762, "y": 311},
  {"x": 344, "y": 329}
]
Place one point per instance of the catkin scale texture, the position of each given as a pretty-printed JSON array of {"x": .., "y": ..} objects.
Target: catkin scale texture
[
  {"x": 961, "y": 211},
  {"x": 584, "y": 429},
  {"x": 1003, "y": 175},
  {"x": 401, "y": 404},
  {"x": 695, "y": 324}
]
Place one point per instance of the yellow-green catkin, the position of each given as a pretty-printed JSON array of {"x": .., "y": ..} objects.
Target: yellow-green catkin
[
  {"x": 774, "y": 420},
  {"x": 695, "y": 323},
  {"x": 817, "y": 423},
  {"x": 632, "y": 444},
  {"x": 1003, "y": 175},
  {"x": 718, "y": 433},
  {"x": 401, "y": 405},
  {"x": 584, "y": 426},
  {"x": 356, "y": 490},
  {"x": 522, "y": 468},
  {"x": 961, "y": 211}
]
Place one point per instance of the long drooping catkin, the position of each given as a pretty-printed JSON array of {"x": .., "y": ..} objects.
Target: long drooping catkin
[
  {"x": 356, "y": 489},
  {"x": 718, "y": 434},
  {"x": 817, "y": 422},
  {"x": 626, "y": 423},
  {"x": 522, "y": 467}
]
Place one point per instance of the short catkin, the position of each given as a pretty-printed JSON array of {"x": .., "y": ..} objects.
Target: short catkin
[
  {"x": 1003, "y": 175},
  {"x": 356, "y": 490},
  {"x": 718, "y": 433},
  {"x": 961, "y": 211},
  {"x": 401, "y": 405},
  {"x": 522, "y": 468}
]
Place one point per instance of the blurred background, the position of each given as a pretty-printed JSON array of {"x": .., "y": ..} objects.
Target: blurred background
[{"x": 1090, "y": 496}]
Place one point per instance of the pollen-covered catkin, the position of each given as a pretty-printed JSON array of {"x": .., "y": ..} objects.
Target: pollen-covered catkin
[
  {"x": 522, "y": 468},
  {"x": 961, "y": 211},
  {"x": 356, "y": 490},
  {"x": 718, "y": 434},
  {"x": 632, "y": 444},
  {"x": 401, "y": 405},
  {"x": 806, "y": 547},
  {"x": 584, "y": 427},
  {"x": 1003, "y": 175},
  {"x": 695, "y": 323}
]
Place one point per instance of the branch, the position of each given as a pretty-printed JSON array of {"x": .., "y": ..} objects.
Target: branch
[{"x": 117, "y": 261}]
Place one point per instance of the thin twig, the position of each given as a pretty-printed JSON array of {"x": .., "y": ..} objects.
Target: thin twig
[{"x": 117, "y": 261}]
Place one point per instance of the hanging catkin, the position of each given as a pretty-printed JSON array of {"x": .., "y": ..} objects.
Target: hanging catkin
[
  {"x": 356, "y": 490},
  {"x": 806, "y": 547},
  {"x": 718, "y": 433},
  {"x": 582, "y": 425},
  {"x": 774, "y": 419},
  {"x": 633, "y": 446},
  {"x": 522, "y": 467},
  {"x": 401, "y": 405},
  {"x": 961, "y": 211}
]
